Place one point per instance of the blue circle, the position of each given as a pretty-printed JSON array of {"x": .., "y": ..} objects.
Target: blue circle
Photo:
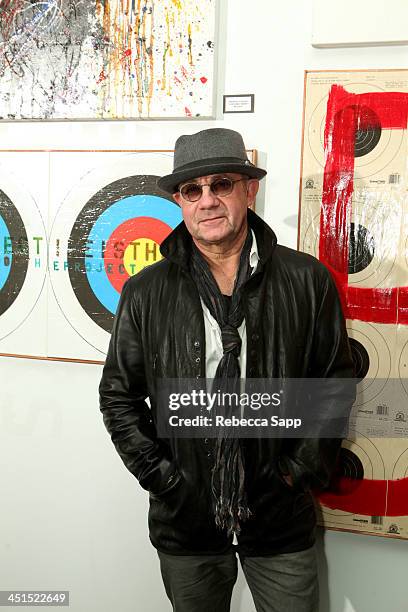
[
  {"x": 5, "y": 264},
  {"x": 129, "y": 208}
]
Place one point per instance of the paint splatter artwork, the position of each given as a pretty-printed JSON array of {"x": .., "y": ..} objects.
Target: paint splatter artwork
[{"x": 106, "y": 59}]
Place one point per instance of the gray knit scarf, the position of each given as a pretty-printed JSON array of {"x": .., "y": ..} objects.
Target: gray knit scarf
[{"x": 228, "y": 476}]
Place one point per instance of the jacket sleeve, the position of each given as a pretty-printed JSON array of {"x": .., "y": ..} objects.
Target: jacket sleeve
[
  {"x": 311, "y": 461},
  {"x": 126, "y": 414}
]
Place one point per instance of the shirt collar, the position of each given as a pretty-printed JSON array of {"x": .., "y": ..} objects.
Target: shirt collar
[{"x": 253, "y": 253}]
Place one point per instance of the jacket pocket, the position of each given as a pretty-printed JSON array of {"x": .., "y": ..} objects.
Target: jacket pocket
[{"x": 172, "y": 483}]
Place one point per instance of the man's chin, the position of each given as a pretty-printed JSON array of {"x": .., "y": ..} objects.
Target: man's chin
[{"x": 214, "y": 237}]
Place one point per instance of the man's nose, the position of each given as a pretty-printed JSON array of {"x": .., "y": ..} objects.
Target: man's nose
[{"x": 208, "y": 198}]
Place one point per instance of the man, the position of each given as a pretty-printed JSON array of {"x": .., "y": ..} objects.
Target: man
[{"x": 225, "y": 302}]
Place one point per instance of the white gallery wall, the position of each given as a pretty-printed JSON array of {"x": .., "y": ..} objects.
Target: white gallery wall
[
  {"x": 357, "y": 23},
  {"x": 71, "y": 516}
]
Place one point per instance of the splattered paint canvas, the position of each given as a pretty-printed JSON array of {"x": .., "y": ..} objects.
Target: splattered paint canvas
[{"x": 106, "y": 59}]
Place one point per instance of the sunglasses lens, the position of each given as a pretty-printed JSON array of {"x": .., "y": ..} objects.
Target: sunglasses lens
[
  {"x": 191, "y": 192},
  {"x": 222, "y": 186}
]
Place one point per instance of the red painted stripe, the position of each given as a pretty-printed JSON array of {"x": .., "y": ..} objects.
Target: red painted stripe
[
  {"x": 358, "y": 496},
  {"x": 337, "y": 193},
  {"x": 397, "y": 497},
  {"x": 346, "y": 112},
  {"x": 368, "y": 497},
  {"x": 386, "y": 305},
  {"x": 390, "y": 107},
  {"x": 372, "y": 305},
  {"x": 403, "y": 305}
]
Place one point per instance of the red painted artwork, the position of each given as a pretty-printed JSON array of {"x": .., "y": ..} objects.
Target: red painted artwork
[{"x": 354, "y": 218}]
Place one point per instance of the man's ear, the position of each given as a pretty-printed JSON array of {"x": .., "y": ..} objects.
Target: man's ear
[
  {"x": 252, "y": 190},
  {"x": 177, "y": 198}
]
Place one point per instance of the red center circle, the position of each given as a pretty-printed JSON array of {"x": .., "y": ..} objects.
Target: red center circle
[{"x": 125, "y": 234}]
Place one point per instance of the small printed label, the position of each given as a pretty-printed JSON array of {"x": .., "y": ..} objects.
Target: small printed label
[{"x": 243, "y": 103}]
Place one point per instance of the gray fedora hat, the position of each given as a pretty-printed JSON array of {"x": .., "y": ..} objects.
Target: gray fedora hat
[{"x": 208, "y": 152}]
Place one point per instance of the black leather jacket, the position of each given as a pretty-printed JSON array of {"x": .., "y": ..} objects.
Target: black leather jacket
[{"x": 295, "y": 328}]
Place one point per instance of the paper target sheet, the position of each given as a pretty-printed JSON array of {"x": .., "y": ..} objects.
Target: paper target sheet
[{"x": 354, "y": 218}]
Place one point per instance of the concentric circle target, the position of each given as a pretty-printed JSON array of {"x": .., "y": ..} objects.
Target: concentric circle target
[
  {"x": 371, "y": 259},
  {"x": 23, "y": 261},
  {"x": 108, "y": 227},
  {"x": 350, "y": 464},
  {"x": 361, "y": 458},
  {"x": 360, "y": 358},
  {"x": 116, "y": 234},
  {"x": 13, "y": 257},
  {"x": 374, "y": 148},
  {"x": 361, "y": 248},
  {"x": 368, "y": 132},
  {"x": 400, "y": 468},
  {"x": 372, "y": 357}
]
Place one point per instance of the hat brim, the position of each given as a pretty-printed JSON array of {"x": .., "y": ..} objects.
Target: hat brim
[{"x": 170, "y": 182}]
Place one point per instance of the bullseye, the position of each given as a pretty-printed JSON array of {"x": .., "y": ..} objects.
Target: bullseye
[
  {"x": 141, "y": 253},
  {"x": 107, "y": 228},
  {"x": 132, "y": 246},
  {"x": 116, "y": 234}
]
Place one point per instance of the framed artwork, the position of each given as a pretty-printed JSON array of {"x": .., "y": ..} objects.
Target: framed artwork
[
  {"x": 74, "y": 226},
  {"x": 107, "y": 59},
  {"x": 354, "y": 218}
]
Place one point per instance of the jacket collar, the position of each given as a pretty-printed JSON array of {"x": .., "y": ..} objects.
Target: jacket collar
[{"x": 177, "y": 246}]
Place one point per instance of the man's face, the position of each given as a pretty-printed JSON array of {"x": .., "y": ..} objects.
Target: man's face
[{"x": 216, "y": 219}]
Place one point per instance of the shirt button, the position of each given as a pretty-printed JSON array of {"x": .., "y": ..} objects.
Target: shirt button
[
  {"x": 255, "y": 337},
  {"x": 197, "y": 344},
  {"x": 205, "y": 440},
  {"x": 198, "y": 359}
]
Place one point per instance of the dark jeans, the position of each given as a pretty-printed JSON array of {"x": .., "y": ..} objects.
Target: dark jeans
[{"x": 280, "y": 583}]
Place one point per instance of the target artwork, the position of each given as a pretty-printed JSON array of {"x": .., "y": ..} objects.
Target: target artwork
[
  {"x": 74, "y": 226},
  {"x": 354, "y": 218},
  {"x": 106, "y": 59},
  {"x": 108, "y": 221}
]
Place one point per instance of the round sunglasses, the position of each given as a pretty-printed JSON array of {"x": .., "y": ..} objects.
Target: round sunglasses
[{"x": 220, "y": 187}]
